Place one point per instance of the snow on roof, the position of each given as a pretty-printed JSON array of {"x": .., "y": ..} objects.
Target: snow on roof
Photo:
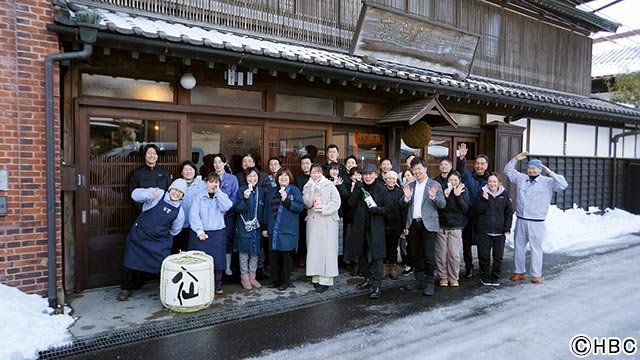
[
  {"x": 620, "y": 56},
  {"x": 132, "y": 24}
]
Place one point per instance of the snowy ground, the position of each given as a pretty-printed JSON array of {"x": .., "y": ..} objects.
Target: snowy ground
[
  {"x": 598, "y": 296},
  {"x": 27, "y": 326},
  {"x": 526, "y": 321}
]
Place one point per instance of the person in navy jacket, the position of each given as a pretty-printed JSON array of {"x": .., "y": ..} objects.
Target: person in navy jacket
[
  {"x": 151, "y": 237},
  {"x": 282, "y": 205}
]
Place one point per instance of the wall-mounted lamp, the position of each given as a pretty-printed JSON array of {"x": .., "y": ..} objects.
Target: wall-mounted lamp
[{"x": 188, "y": 81}]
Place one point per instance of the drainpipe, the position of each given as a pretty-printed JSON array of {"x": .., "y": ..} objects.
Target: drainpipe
[
  {"x": 614, "y": 140},
  {"x": 51, "y": 181}
]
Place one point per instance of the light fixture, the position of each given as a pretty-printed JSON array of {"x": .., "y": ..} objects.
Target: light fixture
[{"x": 188, "y": 81}]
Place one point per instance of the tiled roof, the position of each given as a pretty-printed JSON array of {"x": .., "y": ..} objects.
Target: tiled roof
[
  {"x": 129, "y": 24},
  {"x": 610, "y": 58}
]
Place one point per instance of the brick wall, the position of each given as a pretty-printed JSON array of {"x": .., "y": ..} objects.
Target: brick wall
[{"x": 24, "y": 44}]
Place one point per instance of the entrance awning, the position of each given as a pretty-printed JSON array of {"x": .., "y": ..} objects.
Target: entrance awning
[{"x": 428, "y": 109}]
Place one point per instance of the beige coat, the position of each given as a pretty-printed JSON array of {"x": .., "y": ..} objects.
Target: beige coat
[{"x": 322, "y": 229}]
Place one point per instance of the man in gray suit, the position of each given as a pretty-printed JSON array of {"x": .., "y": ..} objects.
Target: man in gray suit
[{"x": 422, "y": 198}]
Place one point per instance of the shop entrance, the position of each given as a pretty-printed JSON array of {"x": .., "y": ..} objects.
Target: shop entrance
[{"x": 108, "y": 145}]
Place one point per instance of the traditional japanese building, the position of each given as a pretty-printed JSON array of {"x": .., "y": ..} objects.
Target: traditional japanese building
[{"x": 277, "y": 78}]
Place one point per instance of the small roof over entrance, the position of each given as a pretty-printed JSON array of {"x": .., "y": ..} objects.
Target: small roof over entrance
[{"x": 428, "y": 109}]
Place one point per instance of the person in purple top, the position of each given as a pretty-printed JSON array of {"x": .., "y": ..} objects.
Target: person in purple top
[{"x": 229, "y": 186}]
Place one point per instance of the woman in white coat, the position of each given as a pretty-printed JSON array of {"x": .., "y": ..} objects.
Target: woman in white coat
[{"x": 323, "y": 201}]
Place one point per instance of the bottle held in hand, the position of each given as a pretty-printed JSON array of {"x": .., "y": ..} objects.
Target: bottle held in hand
[
  {"x": 368, "y": 199},
  {"x": 317, "y": 199}
]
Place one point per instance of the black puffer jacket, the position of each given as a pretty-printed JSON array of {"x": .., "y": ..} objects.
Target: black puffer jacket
[
  {"x": 452, "y": 216},
  {"x": 494, "y": 215}
]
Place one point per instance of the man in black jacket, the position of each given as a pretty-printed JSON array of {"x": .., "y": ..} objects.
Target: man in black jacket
[
  {"x": 367, "y": 231},
  {"x": 150, "y": 175},
  {"x": 474, "y": 181}
]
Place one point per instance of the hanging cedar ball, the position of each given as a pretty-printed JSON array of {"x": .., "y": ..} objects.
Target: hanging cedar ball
[{"x": 417, "y": 135}]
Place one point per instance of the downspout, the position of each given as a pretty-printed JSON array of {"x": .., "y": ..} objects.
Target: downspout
[
  {"x": 51, "y": 180},
  {"x": 614, "y": 140}
]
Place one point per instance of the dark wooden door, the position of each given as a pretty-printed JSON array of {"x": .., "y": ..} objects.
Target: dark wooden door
[
  {"x": 108, "y": 145},
  {"x": 631, "y": 196}
]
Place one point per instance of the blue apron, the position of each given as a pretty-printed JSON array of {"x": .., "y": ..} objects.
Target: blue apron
[
  {"x": 215, "y": 246},
  {"x": 149, "y": 241}
]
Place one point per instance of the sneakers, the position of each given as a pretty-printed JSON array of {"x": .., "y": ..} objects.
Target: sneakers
[
  {"x": 219, "y": 290},
  {"x": 516, "y": 277},
  {"x": 444, "y": 283},
  {"x": 408, "y": 270},
  {"x": 123, "y": 295},
  {"x": 454, "y": 283},
  {"x": 375, "y": 292},
  {"x": 536, "y": 280}
]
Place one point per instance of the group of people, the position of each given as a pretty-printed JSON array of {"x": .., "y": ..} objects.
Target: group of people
[{"x": 334, "y": 214}]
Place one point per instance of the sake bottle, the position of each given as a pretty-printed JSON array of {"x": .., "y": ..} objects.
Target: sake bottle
[{"x": 368, "y": 199}]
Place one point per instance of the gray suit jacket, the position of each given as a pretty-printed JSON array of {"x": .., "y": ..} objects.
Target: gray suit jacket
[{"x": 429, "y": 207}]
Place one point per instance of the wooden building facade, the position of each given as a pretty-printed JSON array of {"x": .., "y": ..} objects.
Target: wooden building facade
[{"x": 276, "y": 78}]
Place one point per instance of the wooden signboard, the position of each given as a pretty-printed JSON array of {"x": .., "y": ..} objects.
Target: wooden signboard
[{"x": 402, "y": 38}]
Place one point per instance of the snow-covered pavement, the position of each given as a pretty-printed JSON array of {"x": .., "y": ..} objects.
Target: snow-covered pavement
[{"x": 597, "y": 296}]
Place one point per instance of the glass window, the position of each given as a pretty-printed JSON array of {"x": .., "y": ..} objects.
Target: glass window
[
  {"x": 291, "y": 144},
  {"x": 203, "y": 95},
  {"x": 125, "y": 137},
  {"x": 115, "y": 146},
  {"x": 303, "y": 104},
  {"x": 119, "y": 87},
  {"x": 366, "y": 147},
  {"x": 365, "y": 110},
  {"x": 233, "y": 141},
  {"x": 438, "y": 149},
  {"x": 468, "y": 120}
]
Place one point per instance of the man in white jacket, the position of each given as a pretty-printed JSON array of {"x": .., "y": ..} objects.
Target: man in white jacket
[{"x": 534, "y": 197}]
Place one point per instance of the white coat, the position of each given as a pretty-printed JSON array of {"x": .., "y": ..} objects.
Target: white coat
[{"x": 322, "y": 228}]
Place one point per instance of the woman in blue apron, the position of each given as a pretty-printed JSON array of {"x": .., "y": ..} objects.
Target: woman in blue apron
[
  {"x": 208, "y": 231},
  {"x": 151, "y": 237}
]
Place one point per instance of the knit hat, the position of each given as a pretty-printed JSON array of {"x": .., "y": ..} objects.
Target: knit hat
[
  {"x": 391, "y": 174},
  {"x": 179, "y": 184},
  {"x": 535, "y": 162}
]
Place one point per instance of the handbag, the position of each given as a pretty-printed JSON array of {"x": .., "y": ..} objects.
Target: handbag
[{"x": 252, "y": 224}]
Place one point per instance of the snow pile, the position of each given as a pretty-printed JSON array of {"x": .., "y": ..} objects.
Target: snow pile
[
  {"x": 574, "y": 231},
  {"x": 27, "y": 326},
  {"x": 523, "y": 321}
]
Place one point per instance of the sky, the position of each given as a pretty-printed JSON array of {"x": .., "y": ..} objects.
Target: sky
[
  {"x": 28, "y": 327},
  {"x": 625, "y": 12}
]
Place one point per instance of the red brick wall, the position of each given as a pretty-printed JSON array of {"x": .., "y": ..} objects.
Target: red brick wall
[{"x": 24, "y": 44}]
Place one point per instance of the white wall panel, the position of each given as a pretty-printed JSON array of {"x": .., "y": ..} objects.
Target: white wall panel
[
  {"x": 581, "y": 140},
  {"x": 629, "y": 146},
  {"x": 547, "y": 137},
  {"x": 603, "y": 141},
  {"x": 525, "y": 134}
]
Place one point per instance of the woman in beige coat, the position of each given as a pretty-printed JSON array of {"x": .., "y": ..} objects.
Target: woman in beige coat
[{"x": 323, "y": 201}]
